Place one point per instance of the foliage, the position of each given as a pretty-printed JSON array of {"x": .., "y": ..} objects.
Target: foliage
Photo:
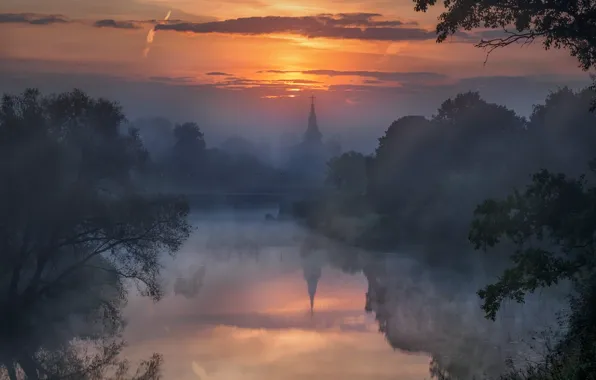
[
  {"x": 348, "y": 172},
  {"x": 183, "y": 163},
  {"x": 572, "y": 356},
  {"x": 550, "y": 224},
  {"x": 74, "y": 227},
  {"x": 569, "y": 24}
]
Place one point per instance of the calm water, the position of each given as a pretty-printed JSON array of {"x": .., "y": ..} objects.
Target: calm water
[{"x": 239, "y": 307}]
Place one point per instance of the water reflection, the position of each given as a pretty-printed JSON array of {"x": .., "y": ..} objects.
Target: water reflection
[
  {"x": 281, "y": 314},
  {"x": 258, "y": 299}
]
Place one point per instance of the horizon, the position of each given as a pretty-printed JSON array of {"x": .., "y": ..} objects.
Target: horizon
[{"x": 249, "y": 67}]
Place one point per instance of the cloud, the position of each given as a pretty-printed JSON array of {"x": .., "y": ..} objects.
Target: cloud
[
  {"x": 361, "y": 26},
  {"x": 174, "y": 80},
  {"x": 280, "y": 84},
  {"x": 396, "y": 76},
  {"x": 353, "y": 26},
  {"x": 218, "y": 73},
  {"x": 109, "y": 23},
  {"x": 31, "y": 18}
]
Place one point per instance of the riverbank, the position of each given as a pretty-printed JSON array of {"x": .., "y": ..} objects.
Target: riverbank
[{"x": 352, "y": 222}]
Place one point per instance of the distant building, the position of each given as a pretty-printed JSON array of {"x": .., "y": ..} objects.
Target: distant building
[
  {"x": 313, "y": 135},
  {"x": 309, "y": 157}
]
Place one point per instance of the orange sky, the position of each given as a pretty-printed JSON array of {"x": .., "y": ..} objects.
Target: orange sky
[
  {"x": 175, "y": 54},
  {"x": 367, "y": 71}
]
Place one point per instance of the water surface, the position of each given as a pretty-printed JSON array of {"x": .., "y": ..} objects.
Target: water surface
[
  {"x": 250, "y": 298},
  {"x": 239, "y": 307}
]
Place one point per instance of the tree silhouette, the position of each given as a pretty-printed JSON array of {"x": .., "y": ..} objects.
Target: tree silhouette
[
  {"x": 348, "y": 173},
  {"x": 551, "y": 228},
  {"x": 74, "y": 227},
  {"x": 189, "y": 136},
  {"x": 569, "y": 24}
]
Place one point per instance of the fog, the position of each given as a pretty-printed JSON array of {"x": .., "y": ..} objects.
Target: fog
[
  {"x": 258, "y": 259},
  {"x": 425, "y": 310}
]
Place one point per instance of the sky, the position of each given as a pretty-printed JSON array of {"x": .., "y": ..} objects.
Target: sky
[{"x": 249, "y": 66}]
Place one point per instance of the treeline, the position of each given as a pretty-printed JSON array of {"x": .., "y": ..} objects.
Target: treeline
[
  {"x": 76, "y": 229},
  {"x": 427, "y": 175},
  {"x": 181, "y": 161},
  {"x": 476, "y": 176}
]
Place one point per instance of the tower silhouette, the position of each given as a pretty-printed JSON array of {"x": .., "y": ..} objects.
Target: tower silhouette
[{"x": 313, "y": 134}]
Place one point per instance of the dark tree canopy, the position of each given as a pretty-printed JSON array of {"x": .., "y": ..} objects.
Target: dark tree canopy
[
  {"x": 189, "y": 135},
  {"x": 550, "y": 227},
  {"x": 560, "y": 24},
  {"x": 74, "y": 227},
  {"x": 348, "y": 172}
]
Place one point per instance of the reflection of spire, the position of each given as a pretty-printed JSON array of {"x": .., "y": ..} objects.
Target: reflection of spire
[
  {"x": 312, "y": 283},
  {"x": 311, "y": 267}
]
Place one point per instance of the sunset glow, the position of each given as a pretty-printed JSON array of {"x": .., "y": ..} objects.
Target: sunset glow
[{"x": 268, "y": 53}]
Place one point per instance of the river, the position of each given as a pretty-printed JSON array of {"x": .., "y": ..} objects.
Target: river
[{"x": 238, "y": 307}]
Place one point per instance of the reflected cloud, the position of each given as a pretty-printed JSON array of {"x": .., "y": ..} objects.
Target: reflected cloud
[
  {"x": 251, "y": 318},
  {"x": 231, "y": 353}
]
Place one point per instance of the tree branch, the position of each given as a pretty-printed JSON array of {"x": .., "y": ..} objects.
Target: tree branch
[{"x": 495, "y": 43}]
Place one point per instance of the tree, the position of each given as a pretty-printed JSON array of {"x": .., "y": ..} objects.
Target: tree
[
  {"x": 74, "y": 227},
  {"x": 562, "y": 132},
  {"x": 189, "y": 136},
  {"x": 188, "y": 152},
  {"x": 550, "y": 227},
  {"x": 157, "y": 135},
  {"x": 569, "y": 24},
  {"x": 348, "y": 173},
  {"x": 426, "y": 173}
]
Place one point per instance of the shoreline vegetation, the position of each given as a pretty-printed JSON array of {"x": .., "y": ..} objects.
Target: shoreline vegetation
[
  {"x": 425, "y": 189},
  {"x": 476, "y": 180}
]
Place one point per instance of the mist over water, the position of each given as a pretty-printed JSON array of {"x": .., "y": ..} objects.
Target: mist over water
[{"x": 240, "y": 281}]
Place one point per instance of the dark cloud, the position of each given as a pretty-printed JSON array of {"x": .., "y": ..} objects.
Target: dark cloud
[
  {"x": 109, "y": 23},
  {"x": 281, "y": 84},
  {"x": 31, "y": 18},
  {"x": 173, "y": 80},
  {"x": 360, "y": 26},
  {"x": 378, "y": 75},
  {"x": 358, "y": 19},
  {"x": 218, "y": 73},
  {"x": 104, "y": 9}
]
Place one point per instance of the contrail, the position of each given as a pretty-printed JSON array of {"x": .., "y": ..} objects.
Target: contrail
[{"x": 151, "y": 35}]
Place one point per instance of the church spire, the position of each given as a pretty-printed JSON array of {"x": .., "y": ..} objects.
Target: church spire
[{"x": 312, "y": 135}]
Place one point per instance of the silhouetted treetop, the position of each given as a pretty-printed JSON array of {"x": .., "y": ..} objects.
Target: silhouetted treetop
[
  {"x": 348, "y": 172},
  {"x": 560, "y": 24},
  {"x": 89, "y": 129},
  {"x": 74, "y": 228},
  {"x": 550, "y": 227},
  {"x": 189, "y": 134}
]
